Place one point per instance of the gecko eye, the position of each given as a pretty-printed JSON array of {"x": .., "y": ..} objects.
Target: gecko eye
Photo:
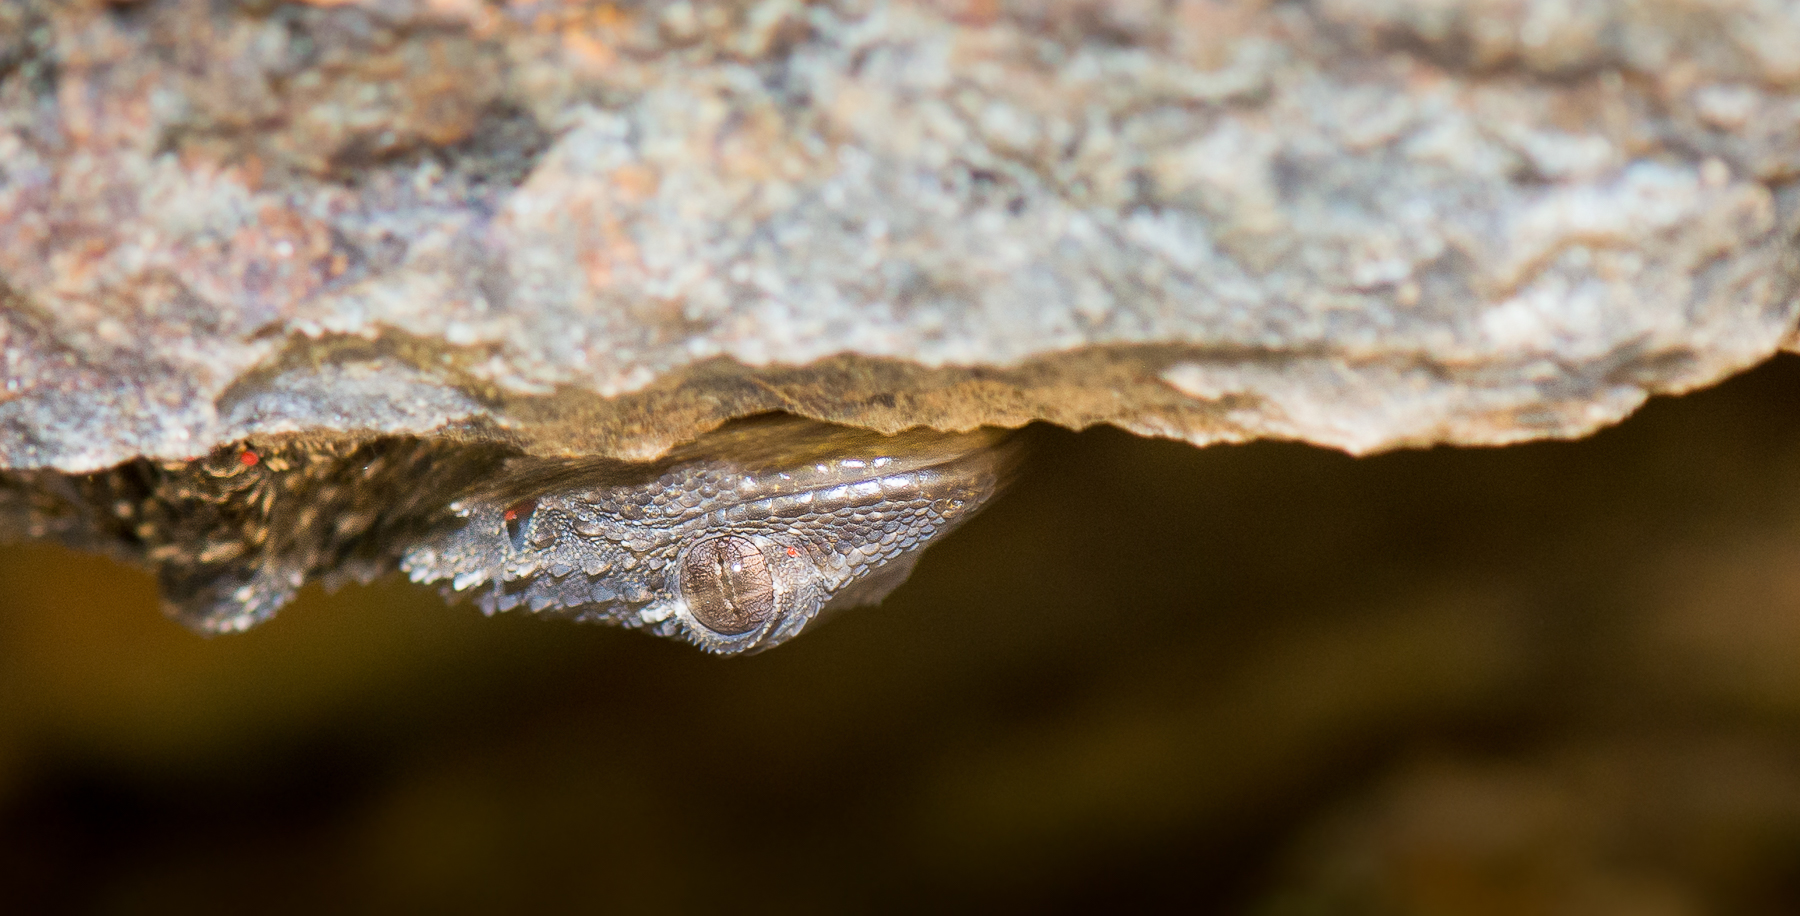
[
  {"x": 517, "y": 516},
  {"x": 727, "y": 585}
]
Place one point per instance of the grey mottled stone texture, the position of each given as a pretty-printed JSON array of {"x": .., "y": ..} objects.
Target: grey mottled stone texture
[{"x": 602, "y": 228}]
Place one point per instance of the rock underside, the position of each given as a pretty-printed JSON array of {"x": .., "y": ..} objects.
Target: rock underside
[{"x": 603, "y": 228}]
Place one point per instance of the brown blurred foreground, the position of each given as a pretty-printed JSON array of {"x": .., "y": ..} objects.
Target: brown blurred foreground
[{"x": 1270, "y": 679}]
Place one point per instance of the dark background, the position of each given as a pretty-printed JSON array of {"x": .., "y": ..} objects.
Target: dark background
[{"x": 1263, "y": 679}]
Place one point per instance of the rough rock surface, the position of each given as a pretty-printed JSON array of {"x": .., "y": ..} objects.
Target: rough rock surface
[{"x": 604, "y": 227}]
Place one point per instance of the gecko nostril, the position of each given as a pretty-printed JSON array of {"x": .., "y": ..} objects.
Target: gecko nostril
[{"x": 727, "y": 585}]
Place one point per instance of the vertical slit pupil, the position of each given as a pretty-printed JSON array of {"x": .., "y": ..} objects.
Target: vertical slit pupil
[{"x": 727, "y": 585}]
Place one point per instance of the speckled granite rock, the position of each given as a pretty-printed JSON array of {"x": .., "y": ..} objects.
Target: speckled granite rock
[{"x": 604, "y": 227}]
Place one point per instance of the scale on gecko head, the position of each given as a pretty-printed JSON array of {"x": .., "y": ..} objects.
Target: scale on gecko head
[{"x": 734, "y": 543}]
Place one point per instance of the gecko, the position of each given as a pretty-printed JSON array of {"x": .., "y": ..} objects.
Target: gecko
[{"x": 734, "y": 542}]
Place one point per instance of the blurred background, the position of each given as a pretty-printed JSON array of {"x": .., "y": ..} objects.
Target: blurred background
[{"x": 1263, "y": 679}]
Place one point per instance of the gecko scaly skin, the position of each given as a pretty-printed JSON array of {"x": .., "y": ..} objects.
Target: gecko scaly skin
[{"x": 733, "y": 542}]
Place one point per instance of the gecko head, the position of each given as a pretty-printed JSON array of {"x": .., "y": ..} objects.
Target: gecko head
[{"x": 734, "y": 544}]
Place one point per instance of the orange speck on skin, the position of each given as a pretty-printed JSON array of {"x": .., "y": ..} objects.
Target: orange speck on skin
[
  {"x": 248, "y": 459},
  {"x": 793, "y": 551}
]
